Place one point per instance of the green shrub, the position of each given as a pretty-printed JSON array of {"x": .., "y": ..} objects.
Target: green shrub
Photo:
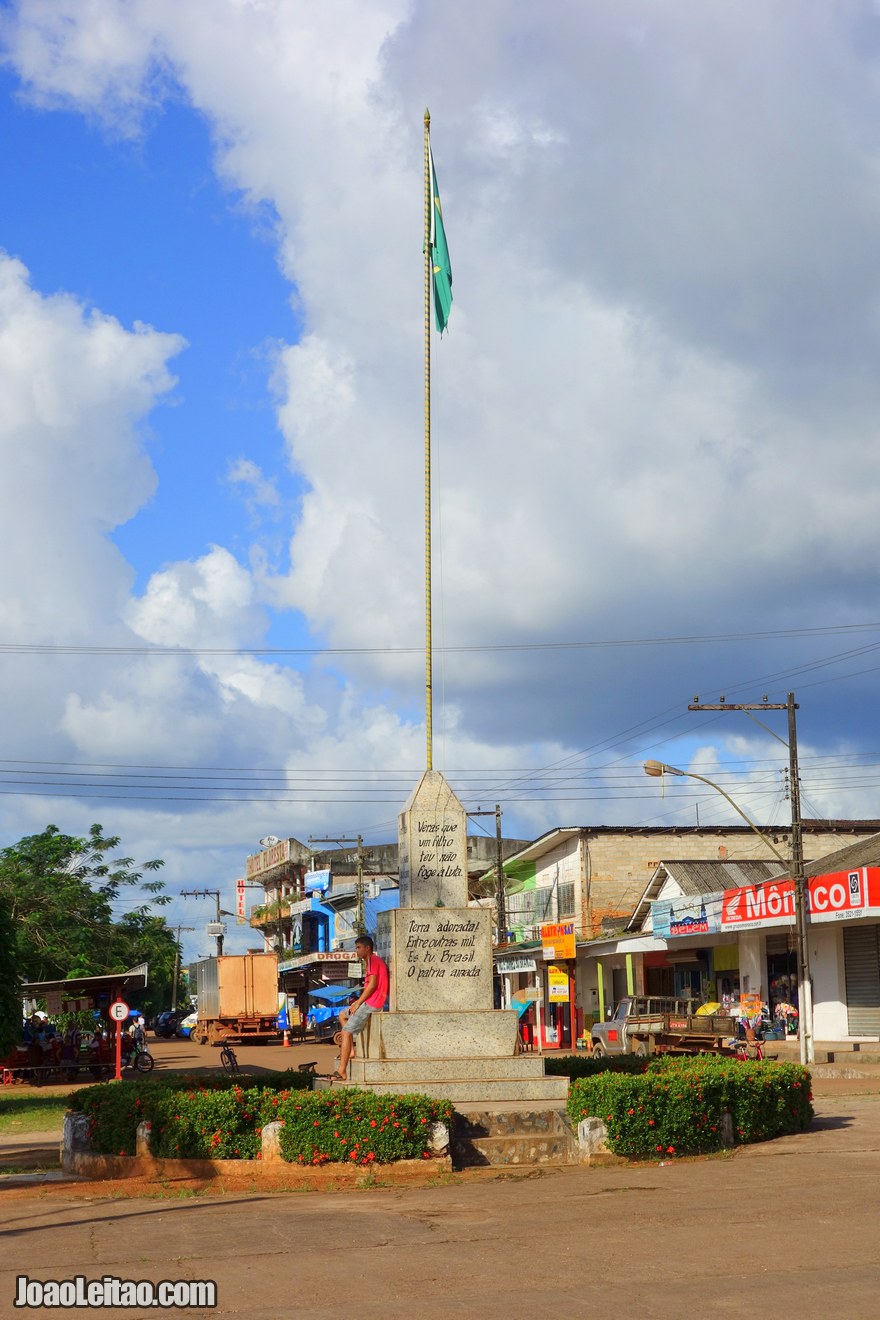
[
  {"x": 675, "y": 1107},
  {"x": 192, "y": 1117},
  {"x": 584, "y": 1065},
  {"x": 223, "y": 1118},
  {"x": 358, "y": 1127}
]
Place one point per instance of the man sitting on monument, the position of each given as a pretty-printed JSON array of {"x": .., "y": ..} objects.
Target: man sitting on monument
[{"x": 370, "y": 1000}]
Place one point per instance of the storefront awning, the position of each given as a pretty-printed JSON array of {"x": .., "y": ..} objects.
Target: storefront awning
[{"x": 81, "y": 987}]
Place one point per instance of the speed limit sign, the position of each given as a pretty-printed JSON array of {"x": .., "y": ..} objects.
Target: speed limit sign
[{"x": 118, "y": 1010}]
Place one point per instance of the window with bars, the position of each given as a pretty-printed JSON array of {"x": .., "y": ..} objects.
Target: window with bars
[
  {"x": 566, "y": 899},
  {"x": 521, "y": 909},
  {"x": 543, "y": 905}
]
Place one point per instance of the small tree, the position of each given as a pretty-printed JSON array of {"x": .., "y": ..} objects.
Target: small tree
[{"x": 59, "y": 891}]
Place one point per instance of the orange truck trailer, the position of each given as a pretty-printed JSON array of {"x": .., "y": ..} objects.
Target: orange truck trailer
[{"x": 237, "y": 999}]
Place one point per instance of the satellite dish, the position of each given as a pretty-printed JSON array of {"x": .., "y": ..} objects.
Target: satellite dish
[{"x": 269, "y": 841}]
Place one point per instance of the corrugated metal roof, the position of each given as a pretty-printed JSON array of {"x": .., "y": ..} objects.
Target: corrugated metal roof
[
  {"x": 712, "y": 877},
  {"x": 696, "y": 878}
]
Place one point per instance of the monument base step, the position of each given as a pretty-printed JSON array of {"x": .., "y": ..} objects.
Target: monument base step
[
  {"x": 522, "y": 1067},
  {"x": 501, "y": 1152},
  {"x": 465, "y": 1091},
  {"x": 519, "y": 1122},
  {"x": 509, "y": 1138}
]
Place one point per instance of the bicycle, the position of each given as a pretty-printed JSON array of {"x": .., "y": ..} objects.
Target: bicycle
[
  {"x": 228, "y": 1059},
  {"x": 138, "y": 1059},
  {"x": 749, "y": 1048}
]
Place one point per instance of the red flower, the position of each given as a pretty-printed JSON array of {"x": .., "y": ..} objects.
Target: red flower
[{"x": 670, "y": 1150}]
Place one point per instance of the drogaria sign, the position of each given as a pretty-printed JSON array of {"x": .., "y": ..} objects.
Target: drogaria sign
[{"x": 834, "y": 897}]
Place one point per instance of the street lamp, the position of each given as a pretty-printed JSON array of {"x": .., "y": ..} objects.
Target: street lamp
[{"x": 656, "y": 770}]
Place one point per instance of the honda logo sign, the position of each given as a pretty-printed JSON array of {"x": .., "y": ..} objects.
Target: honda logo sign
[{"x": 832, "y": 897}]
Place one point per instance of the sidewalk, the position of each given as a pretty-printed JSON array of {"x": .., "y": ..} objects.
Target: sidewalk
[
  {"x": 30, "y": 1150},
  {"x": 826, "y": 1051}
]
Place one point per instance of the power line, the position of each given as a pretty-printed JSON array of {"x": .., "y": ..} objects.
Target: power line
[{"x": 826, "y": 630}]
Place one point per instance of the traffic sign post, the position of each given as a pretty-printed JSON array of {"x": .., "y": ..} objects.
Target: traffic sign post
[{"x": 118, "y": 1012}]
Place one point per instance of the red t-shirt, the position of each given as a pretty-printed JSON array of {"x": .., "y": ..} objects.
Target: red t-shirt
[{"x": 376, "y": 967}]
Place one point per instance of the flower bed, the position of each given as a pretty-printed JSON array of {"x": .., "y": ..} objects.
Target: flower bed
[
  {"x": 221, "y": 1118},
  {"x": 676, "y": 1106},
  {"x": 329, "y": 1126}
]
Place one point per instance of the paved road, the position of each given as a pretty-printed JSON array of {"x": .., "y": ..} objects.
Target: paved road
[{"x": 786, "y": 1229}]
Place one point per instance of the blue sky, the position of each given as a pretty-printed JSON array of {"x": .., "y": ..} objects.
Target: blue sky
[
  {"x": 655, "y": 411},
  {"x": 143, "y": 229}
]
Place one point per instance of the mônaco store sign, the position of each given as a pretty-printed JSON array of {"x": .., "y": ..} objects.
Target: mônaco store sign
[{"x": 838, "y": 896}]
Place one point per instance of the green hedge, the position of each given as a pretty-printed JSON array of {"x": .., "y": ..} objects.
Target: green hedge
[
  {"x": 327, "y": 1127},
  {"x": 192, "y": 1117},
  {"x": 218, "y": 1118},
  {"x": 584, "y": 1065},
  {"x": 675, "y": 1106}
]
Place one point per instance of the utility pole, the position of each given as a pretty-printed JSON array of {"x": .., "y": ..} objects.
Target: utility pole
[
  {"x": 177, "y": 962},
  {"x": 360, "y": 916},
  {"x": 215, "y": 894},
  {"x": 805, "y": 985},
  {"x": 500, "y": 904}
]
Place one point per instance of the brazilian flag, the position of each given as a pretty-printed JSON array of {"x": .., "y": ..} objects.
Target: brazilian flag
[{"x": 440, "y": 264}]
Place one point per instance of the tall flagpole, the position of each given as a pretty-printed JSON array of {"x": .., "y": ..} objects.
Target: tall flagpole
[{"x": 429, "y": 684}]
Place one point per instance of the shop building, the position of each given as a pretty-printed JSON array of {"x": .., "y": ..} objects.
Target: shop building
[
  {"x": 539, "y": 981},
  {"x": 596, "y": 877},
  {"x": 718, "y": 930}
]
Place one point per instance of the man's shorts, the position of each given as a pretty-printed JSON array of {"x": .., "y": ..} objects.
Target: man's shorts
[{"x": 359, "y": 1019}]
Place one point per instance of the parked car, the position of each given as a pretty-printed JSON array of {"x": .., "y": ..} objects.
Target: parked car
[
  {"x": 166, "y": 1024},
  {"x": 188, "y": 1025}
]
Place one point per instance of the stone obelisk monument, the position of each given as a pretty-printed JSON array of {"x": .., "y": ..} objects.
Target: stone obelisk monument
[{"x": 441, "y": 1035}]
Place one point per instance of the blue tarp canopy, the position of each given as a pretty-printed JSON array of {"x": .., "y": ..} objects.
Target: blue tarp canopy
[
  {"x": 332, "y": 994},
  {"x": 320, "y": 1013}
]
